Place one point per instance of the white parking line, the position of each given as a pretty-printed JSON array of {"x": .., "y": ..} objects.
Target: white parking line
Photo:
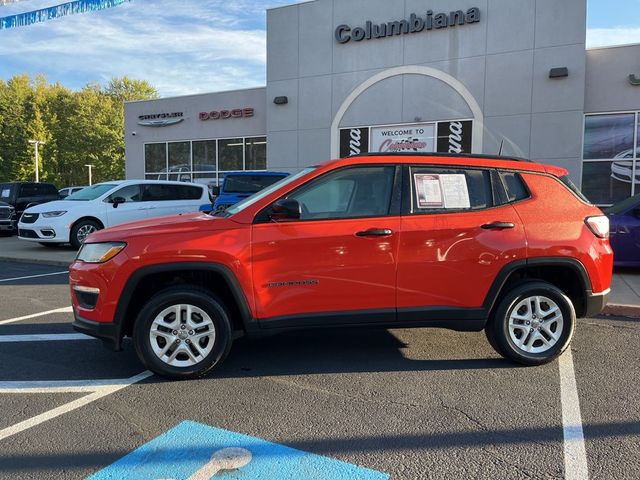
[
  {"x": 34, "y": 315},
  {"x": 50, "y": 337},
  {"x": 60, "y": 386},
  {"x": 33, "y": 276},
  {"x": 575, "y": 454},
  {"x": 100, "y": 392}
]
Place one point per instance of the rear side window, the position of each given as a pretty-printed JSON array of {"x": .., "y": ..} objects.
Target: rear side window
[
  {"x": 46, "y": 189},
  {"x": 437, "y": 189},
  {"x": 158, "y": 192},
  {"x": 571, "y": 186},
  {"x": 514, "y": 186},
  {"x": 188, "y": 192}
]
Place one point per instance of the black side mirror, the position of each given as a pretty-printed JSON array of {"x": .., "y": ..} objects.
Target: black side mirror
[
  {"x": 215, "y": 190},
  {"x": 285, "y": 209},
  {"x": 636, "y": 212},
  {"x": 117, "y": 201}
]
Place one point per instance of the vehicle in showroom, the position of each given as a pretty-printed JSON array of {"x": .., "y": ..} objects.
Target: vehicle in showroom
[
  {"x": 107, "y": 204},
  {"x": 65, "y": 192},
  {"x": 237, "y": 186},
  {"x": 454, "y": 241},
  {"x": 21, "y": 195},
  {"x": 624, "y": 218},
  {"x": 8, "y": 222}
]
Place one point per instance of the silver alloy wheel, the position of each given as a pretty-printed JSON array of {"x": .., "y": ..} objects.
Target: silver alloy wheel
[
  {"x": 182, "y": 335},
  {"x": 84, "y": 231},
  {"x": 535, "y": 324}
]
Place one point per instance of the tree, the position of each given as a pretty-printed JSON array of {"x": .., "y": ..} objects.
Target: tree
[{"x": 79, "y": 128}]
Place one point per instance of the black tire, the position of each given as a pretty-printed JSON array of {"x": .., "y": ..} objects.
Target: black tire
[
  {"x": 186, "y": 295},
  {"x": 50, "y": 245},
  {"x": 498, "y": 331},
  {"x": 75, "y": 237}
]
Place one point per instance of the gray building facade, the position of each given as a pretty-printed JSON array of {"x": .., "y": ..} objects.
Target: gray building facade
[{"x": 465, "y": 76}]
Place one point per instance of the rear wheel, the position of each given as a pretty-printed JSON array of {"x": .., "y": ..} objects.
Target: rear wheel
[
  {"x": 533, "y": 324},
  {"x": 182, "y": 332},
  {"x": 81, "y": 230}
]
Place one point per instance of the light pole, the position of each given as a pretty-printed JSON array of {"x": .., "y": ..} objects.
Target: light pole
[
  {"x": 90, "y": 166},
  {"x": 37, "y": 143}
]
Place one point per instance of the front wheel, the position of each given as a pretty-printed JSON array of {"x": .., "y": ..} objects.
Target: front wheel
[
  {"x": 182, "y": 333},
  {"x": 533, "y": 324},
  {"x": 82, "y": 230}
]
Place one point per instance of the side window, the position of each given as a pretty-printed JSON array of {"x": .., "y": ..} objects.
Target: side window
[
  {"x": 157, "y": 192},
  {"x": 513, "y": 186},
  {"x": 438, "y": 189},
  {"x": 28, "y": 190},
  {"x": 187, "y": 192},
  {"x": 46, "y": 189},
  {"x": 348, "y": 193},
  {"x": 130, "y": 193}
]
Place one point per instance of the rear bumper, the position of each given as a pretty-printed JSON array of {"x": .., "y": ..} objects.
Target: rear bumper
[
  {"x": 109, "y": 333},
  {"x": 596, "y": 302}
]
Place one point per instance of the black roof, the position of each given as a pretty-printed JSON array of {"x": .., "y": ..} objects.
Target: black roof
[{"x": 434, "y": 154}]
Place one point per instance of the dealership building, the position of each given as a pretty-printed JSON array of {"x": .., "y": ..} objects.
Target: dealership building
[{"x": 510, "y": 77}]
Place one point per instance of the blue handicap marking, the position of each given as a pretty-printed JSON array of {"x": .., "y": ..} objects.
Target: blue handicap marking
[{"x": 193, "y": 451}]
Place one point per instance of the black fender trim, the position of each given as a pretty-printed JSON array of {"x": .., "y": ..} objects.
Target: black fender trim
[
  {"x": 136, "y": 277},
  {"x": 501, "y": 279}
]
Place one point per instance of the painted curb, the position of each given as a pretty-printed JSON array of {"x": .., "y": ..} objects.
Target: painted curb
[
  {"x": 53, "y": 263},
  {"x": 621, "y": 310}
]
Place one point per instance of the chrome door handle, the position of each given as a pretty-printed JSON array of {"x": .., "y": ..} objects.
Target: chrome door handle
[
  {"x": 375, "y": 232},
  {"x": 497, "y": 226}
]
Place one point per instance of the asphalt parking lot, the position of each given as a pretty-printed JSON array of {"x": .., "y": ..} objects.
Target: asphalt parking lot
[{"x": 412, "y": 404}]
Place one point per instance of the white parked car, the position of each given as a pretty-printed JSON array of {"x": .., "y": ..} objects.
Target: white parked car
[{"x": 107, "y": 204}]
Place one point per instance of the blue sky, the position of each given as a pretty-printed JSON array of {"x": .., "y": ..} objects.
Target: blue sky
[{"x": 192, "y": 46}]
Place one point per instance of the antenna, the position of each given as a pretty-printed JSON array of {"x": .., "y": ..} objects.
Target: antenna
[{"x": 501, "y": 145}]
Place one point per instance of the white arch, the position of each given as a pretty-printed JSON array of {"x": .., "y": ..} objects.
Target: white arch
[{"x": 478, "y": 116}]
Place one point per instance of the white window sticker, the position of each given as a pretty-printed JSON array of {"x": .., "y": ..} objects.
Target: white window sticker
[
  {"x": 5, "y": 193},
  {"x": 441, "y": 190},
  {"x": 456, "y": 192},
  {"x": 428, "y": 191}
]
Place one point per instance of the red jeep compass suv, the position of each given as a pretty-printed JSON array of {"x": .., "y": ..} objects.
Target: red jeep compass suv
[{"x": 456, "y": 241}]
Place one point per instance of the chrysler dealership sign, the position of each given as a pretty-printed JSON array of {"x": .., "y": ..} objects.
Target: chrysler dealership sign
[
  {"x": 160, "y": 119},
  {"x": 415, "y": 24}
]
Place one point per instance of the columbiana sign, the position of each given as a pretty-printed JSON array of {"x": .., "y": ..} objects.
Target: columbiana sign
[{"x": 415, "y": 24}]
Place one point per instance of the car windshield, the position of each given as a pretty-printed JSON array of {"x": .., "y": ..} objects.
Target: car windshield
[
  {"x": 91, "y": 193},
  {"x": 623, "y": 205},
  {"x": 238, "y": 207}
]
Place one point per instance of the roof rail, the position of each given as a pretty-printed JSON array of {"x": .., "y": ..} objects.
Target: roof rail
[{"x": 434, "y": 154}]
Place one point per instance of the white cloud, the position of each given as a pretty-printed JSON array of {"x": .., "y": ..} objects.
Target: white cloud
[
  {"x": 603, "y": 37},
  {"x": 180, "y": 47}
]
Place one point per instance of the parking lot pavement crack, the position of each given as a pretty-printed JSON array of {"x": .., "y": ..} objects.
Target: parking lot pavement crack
[
  {"x": 635, "y": 326},
  {"x": 126, "y": 421}
]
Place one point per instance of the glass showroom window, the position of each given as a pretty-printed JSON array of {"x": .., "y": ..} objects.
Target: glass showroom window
[
  {"x": 155, "y": 161},
  {"x": 609, "y": 168},
  {"x": 204, "y": 161}
]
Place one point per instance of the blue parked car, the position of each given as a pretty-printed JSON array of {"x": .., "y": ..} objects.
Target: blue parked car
[
  {"x": 237, "y": 186},
  {"x": 624, "y": 218}
]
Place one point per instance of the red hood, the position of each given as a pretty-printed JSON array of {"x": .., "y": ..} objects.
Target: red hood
[{"x": 183, "y": 223}]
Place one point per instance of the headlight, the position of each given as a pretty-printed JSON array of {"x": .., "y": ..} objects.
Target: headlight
[
  {"x": 99, "y": 252},
  {"x": 57, "y": 213}
]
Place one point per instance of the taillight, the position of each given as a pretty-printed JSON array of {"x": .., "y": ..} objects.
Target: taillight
[{"x": 598, "y": 225}]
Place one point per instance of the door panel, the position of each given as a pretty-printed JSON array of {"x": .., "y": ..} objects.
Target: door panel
[
  {"x": 450, "y": 260},
  {"x": 324, "y": 266},
  {"x": 130, "y": 210}
]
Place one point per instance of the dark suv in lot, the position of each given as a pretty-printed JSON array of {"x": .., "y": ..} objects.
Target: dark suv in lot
[
  {"x": 21, "y": 195},
  {"x": 461, "y": 242}
]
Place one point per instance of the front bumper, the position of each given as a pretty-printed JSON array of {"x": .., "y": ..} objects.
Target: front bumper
[
  {"x": 8, "y": 225},
  {"x": 51, "y": 231},
  {"x": 595, "y": 302},
  {"x": 109, "y": 333}
]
